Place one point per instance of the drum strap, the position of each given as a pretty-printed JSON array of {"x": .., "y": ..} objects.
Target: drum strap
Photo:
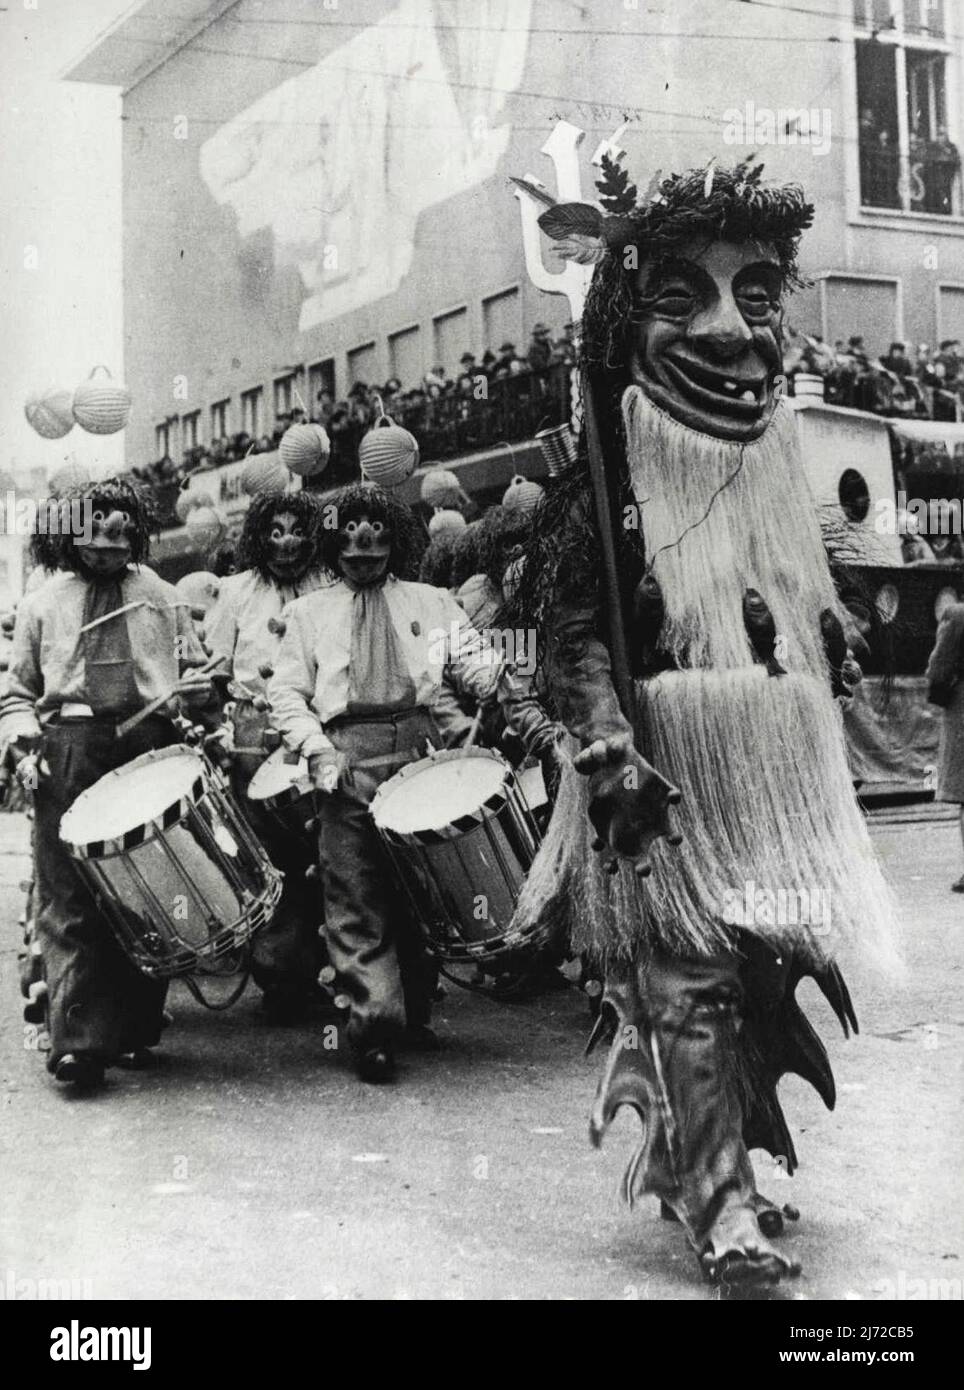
[{"x": 232, "y": 998}]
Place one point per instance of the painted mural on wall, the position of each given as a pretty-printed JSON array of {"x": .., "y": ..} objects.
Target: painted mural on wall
[{"x": 340, "y": 160}]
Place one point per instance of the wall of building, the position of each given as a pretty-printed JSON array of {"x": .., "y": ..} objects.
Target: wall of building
[{"x": 304, "y": 183}]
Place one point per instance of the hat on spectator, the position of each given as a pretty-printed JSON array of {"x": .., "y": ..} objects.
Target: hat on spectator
[
  {"x": 507, "y": 347},
  {"x": 540, "y": 330}
]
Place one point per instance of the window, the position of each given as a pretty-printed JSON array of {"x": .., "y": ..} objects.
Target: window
[
  {"x": 908, "y": 158},
  {"x": 863, "y": 304},
  {"x": 321, "y": 377},
  {"x": 287, "y": 394},
  {"x": 191, "y": 430},
  {"x": 252, "y": 410},
  {"x": 162, "y": 440},
  {"x": 405, "y": 356},
  {"x": 502, "y": 320},
  {"x": 361, "y": 364},
  {"x": 451, "y": 340},
  {"x": 219, "y": 419}
]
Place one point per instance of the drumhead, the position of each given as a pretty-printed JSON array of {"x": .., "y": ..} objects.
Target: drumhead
[
  {"x": 133, "y": 795},
  {"x": 276, "y": 776},
  {"x": 436, "y": 792}
]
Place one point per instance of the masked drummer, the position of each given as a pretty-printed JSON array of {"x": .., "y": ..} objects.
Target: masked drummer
[
  {"x": 92, "y": 646},
  {"x": 278, "y": 554},
  {"x": 365, "y": 677}
]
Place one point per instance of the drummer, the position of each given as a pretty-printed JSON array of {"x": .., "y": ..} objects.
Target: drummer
[
  {"x": 64, "y": 693},
  {"x": 365, "y": 678},
  {"x": 278, "y": 555}
]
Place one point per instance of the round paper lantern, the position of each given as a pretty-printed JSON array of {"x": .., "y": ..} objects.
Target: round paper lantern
[
  {"x": 264, "y": 474},
  {"x": 199, "y": 589},
  {"x": 51, "y": 414},
  {"x": 440, "y": 488},
  {"x": 305, "y": 449},
  {"x": 69, "y": 475},
  {"x": 522, "y": 495},
  {"x": 444, "y": 519},
  {"x": 205, "y": 526},
  {"x": 101, "y": 406},
  {"x": 188, "y": 502},
  {"x": 388, "y": 454}
]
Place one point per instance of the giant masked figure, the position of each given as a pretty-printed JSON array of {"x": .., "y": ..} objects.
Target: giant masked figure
[{"x": 706, "y": 834}]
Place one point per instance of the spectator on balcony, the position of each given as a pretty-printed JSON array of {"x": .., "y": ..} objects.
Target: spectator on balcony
[
  {"x": 564, "y": 347},
  {"x": 539, "y": 354},
  {"x": 325, "y": 405},
  {"x": 436, "y": 378},
  {"x": 948, "y": 363},
  {"x": 504, "y": 363},
  {"x": 897, "y": 361},
  {"x": 489, "y": 361}
]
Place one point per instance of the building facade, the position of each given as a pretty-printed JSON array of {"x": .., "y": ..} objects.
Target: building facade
[{"x": 317, "y": 193}]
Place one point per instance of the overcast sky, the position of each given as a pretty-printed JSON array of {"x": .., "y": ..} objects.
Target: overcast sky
[{"x": 60, "y": 193}]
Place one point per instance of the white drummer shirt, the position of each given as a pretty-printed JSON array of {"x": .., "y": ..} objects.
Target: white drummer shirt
[
  {"x": 237, "y": 624},
  {"x": 442, "y": 651},
  {"x": 47, "y": 667}
]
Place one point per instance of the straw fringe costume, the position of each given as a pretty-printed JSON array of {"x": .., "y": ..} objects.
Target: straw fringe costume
[{"x": 735, "y": 645}]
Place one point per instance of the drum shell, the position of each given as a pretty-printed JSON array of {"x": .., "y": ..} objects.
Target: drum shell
[
  {"x": 191, "y": 894},
  {"x": 464, "y": 887}
]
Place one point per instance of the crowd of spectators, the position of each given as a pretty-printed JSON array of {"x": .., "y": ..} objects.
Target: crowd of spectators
[
  {"x": 441, "y": 397},
  {"x": 925, "y": 385}
]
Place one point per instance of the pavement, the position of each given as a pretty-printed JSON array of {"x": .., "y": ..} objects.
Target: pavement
[{"x": 253, "y": 1165}]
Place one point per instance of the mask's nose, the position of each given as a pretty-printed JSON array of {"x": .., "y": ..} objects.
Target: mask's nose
[
  {"x": 113, "y": 528},
  {"x": 364, "y": 536}
]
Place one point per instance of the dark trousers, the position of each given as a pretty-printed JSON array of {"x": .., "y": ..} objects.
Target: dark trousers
[
  {"x": 290, "y": 951},
  {"x": 373, "y": 943},
  {"x": 98, "y": 1001}
]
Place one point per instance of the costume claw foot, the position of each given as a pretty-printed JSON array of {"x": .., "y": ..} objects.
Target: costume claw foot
[
  {"x": 736, "y": 1252},
  {"x": 771, "y": 1218}
]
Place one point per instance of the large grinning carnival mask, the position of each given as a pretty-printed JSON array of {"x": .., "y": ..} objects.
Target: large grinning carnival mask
[{"x": 706, "y": 336}]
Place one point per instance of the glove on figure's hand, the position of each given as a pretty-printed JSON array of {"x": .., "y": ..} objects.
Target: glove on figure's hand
[{"x": 629, "y": 802}]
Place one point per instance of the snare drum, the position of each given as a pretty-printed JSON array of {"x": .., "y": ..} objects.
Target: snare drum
[
  {"x": 172, "y": 863},
  {"x": 283, "y": 788},
  {"x": 461, "y": 839}
]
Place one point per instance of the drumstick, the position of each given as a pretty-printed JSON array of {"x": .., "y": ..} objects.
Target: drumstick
[{"x": 128, "y": 724}]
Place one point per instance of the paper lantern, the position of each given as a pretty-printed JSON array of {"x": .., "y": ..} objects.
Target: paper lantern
[
  {"x": 188, "y": 502},
  {"x": 440, "y": 488},
  {"x": 205, "y": 526},
  {"x": 51, "y": 414},
  {"x": 305, "y": 450},
  {"x": 388, "y": 454},
  {"x": 522, "y": 495},
  {"x": 263, "y": 473},
  {"x": 101, "y": 406},
  {"x": 444, "y": 519},
  {"x": 68, "y": 476},
  {"x": 199, "y": 589}
]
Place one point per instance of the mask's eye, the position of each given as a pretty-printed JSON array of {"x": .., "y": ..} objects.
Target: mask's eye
[
  {"x": 126, "y": 518},
  {"x": 377, "y": 528},
  {"x": 351, "y": 528},
  {"x": 298, "y": 532},
  {"x": 673, "y": 301},
  {"x": 98, "y": 516},
  {"x": 755, "y": 302}
]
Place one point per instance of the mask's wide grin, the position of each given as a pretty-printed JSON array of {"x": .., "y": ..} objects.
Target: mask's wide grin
[{"x": 740, "y": 394}]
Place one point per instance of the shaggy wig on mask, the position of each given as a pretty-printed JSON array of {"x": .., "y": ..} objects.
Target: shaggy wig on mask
[
  {"x": 109, "y": 495},
  {"x": 253, "y": 550},
  {"x": 363, "y": 500}
]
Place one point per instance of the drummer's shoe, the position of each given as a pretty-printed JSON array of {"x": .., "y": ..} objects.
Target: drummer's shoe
[
  {"x": 81, "y": 1070},
  {"x": 377, "y": 1065},
  {"x": 419, "y": 1037}
]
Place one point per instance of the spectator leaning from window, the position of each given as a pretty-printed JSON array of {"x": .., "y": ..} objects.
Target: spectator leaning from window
[
  {"x": 897, "y": 361},
  {"x": 489, "y": 361},
  {"x": 946, "y": 689}
]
